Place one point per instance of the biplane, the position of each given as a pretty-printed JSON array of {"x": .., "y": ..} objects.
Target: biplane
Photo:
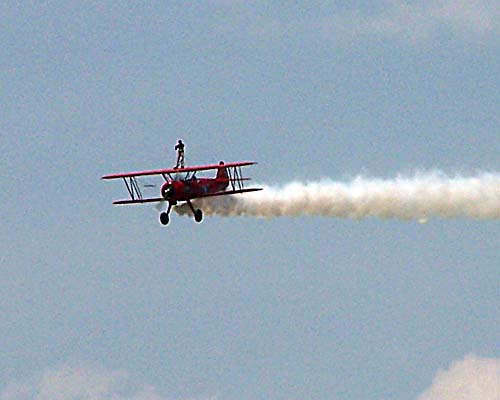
[{"x": 181, "y": 185}]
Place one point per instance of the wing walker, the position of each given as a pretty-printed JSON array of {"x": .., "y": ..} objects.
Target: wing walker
[{"x": 182, "y": 186}]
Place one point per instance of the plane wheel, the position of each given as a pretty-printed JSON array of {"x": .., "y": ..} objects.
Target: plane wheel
[
  {"x": 164, "y": 218},
  {"x": 198, "y": 215}
]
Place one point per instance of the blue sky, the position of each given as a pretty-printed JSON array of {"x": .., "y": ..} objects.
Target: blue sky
[{"x": 101, "y": 300}]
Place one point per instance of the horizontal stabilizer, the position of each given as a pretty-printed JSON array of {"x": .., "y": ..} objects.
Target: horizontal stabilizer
[
  {"x": 239, "y": 179},
  {"x": 227, "y": 192}
]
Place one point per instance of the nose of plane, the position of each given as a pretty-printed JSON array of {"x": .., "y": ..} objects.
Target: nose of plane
[{"x": 167, "y": 191}]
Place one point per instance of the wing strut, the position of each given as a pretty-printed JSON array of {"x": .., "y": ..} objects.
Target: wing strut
[
  {"x": 236, "y": 177},
  {"x": 133, "y": 188}
]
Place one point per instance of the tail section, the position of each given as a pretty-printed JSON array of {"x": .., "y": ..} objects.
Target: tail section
[{"x": 222, "y": 173}]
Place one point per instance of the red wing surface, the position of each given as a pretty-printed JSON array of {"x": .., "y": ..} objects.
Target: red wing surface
[
  {"x": 178, "y": 170},
  {"x": 159, "y": 199},
  {"x": 139, "y": 201}
]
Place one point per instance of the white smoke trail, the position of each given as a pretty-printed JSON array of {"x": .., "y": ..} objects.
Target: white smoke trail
[{"x": 419, "y": 197}]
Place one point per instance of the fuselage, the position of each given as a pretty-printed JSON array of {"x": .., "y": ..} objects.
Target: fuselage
[{"x": 187, "y": 189}]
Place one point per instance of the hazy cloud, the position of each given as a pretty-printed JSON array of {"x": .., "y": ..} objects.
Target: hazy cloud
[
  {"x": 417, "y": 21},
  {"x": 473, "y": 378},
  {"x": 414, "y": 21},
  {"x": 81, "y": 382}
]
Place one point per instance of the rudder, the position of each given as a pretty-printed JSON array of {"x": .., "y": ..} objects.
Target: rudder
[{"x": 222, "y": 172}]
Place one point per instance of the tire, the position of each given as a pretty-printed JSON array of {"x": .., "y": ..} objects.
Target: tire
[
  {"x": 198, "y": 215},
  {"x": 164, "y": 218}
]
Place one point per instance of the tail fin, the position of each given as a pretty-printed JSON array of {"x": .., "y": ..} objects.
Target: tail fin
[{"x": 222, "y": 173}]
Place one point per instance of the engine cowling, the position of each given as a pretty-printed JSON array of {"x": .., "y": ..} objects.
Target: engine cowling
[{"x": 167, "y": 191}]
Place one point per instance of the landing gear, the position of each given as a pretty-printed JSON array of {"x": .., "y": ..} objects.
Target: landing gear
[
  {"x": 164, "y": 218},
  {"x": 165, "y": 215},
  {"x": 198, "y": 214}
]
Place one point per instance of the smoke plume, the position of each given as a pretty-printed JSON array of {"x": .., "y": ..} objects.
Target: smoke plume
[{"x": 418, "y": 197}]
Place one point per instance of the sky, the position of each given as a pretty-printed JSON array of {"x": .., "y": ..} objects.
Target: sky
[{"x": 102, "y": 302}]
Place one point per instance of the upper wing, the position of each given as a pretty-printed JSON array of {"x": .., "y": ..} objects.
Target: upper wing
[{"x": 176, "y": 170}]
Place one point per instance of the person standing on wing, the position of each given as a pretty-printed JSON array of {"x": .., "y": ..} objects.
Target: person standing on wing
[{"x": 180, "y": 154}]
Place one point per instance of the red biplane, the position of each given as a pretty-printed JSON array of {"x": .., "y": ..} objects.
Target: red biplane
[{"x": 182, "y": 185}]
